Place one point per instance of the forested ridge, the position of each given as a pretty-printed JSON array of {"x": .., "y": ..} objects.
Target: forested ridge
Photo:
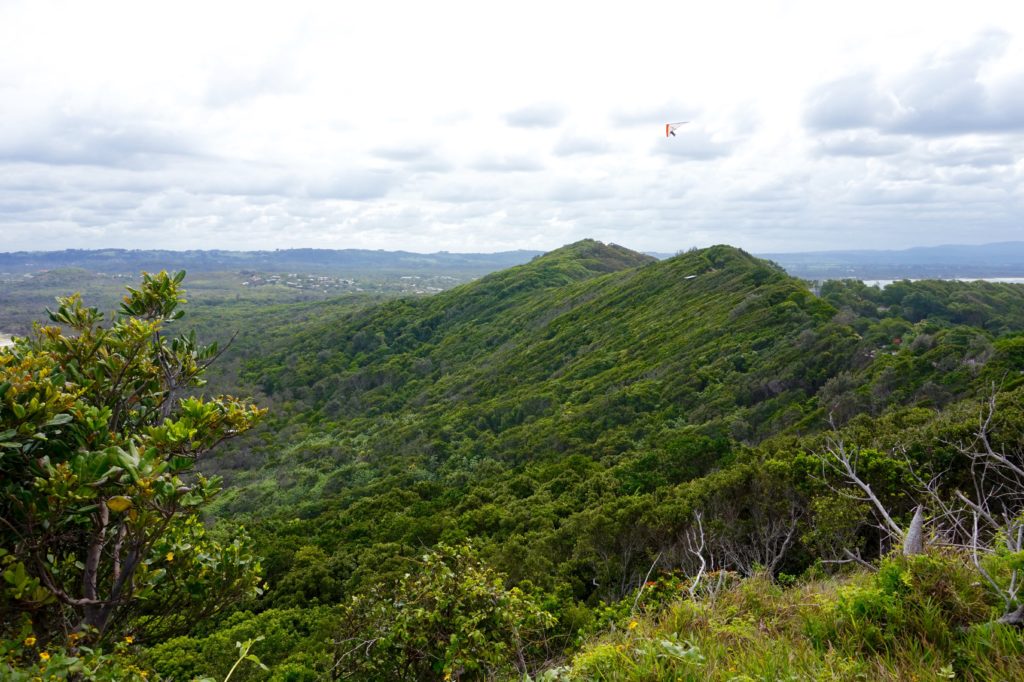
[{"x": 597, "y": 465}]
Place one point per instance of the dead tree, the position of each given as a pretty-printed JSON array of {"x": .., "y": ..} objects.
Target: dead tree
[
  {"x": 985, "y": 521},
  {"x": 989, "y": 519},
  {"x": 692, "y": 553},
  {"x": 755, "y": 533},
  {"x": 913, "y": 539},
  {"x": 695, "y": 544},
  {"x": 842, "y": 462}
]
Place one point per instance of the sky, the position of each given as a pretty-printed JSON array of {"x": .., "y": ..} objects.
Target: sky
[{"x": 482, "y": 126}]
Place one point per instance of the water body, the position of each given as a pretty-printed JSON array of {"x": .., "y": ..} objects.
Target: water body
[
  {"x": 5, "y": 340},
  {"x": 882, "y": 283}
]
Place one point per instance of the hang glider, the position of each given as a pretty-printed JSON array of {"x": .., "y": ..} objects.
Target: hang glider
[{"x": 670, "y": 128}]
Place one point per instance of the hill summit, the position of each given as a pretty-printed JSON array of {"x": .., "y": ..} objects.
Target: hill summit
[{"x": 579, "y": 344}]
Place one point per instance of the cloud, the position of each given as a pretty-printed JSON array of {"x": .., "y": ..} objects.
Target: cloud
[
  {"x": 979, "y": 156},
  {"x": 409, "y": 153},
  {"x": 695, "y": 144},
  {"x": 112, "y": 140},
  {"x": 415, "y": 158},
  {"x": 471, "y": 189},
  {"x": 352, "y": 185},
  {"x": 536, "y": 116},
  {"x": 652, "y": 115},
  {"x": 949, "y": 95},
  {"x": 946, "y": 95},
  {"x": 893, "y": 193},
  {"x": 578, "y": 145},
  {"x": 333, "y": 126},
  {"x": 851, "y": 102},
  {"x": 276, "y": 73},
  {"x": 572, "y": 191},
  {"x": 860, "y": 143},
  {"x": 507, "y": 163}
]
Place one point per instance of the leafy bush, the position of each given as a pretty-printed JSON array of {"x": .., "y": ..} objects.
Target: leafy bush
[
  {"x": 450, "y": 617},
  {"x": 292, "y": 643}
]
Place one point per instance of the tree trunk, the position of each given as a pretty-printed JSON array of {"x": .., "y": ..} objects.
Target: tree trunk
[
  {"x": 913, "y": 541},
  {"x": 1015, "y": 618}
]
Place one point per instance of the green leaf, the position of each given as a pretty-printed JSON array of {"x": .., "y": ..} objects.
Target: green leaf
[
  {"x": 58, "y": 419},
  {"x": 252, "y": 657},
  {"x": 127, "y": 462}
]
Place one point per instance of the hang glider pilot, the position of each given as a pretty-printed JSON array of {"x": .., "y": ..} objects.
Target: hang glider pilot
[{"x": 670, "y": 128}]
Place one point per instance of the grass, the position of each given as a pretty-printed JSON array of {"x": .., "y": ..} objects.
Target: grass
[{"x": 918, "y": 619}]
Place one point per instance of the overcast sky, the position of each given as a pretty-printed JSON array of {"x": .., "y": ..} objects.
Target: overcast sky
[{"x": 483, "y": 126}]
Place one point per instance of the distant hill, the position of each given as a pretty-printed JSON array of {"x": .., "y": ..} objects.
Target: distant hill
[
  {"x": 320, "y": 261},
  {"x": 591, "y": 342},
  {"x": 1003, "y": 259},
  {"x": 617, "y": 334},
  {"x": 548, "y": 410}
]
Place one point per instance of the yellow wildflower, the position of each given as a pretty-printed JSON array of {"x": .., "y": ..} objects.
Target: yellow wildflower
[
  {"x": 170, "y": 556},
  {"x": 43, "y": 656},
  {"x": 128, "y": 639},
  {"x": 633, "y": 624},
  {"x": 30, "y": 640}
]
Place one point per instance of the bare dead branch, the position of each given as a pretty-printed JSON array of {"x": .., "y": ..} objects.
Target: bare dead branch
[{"x": 695, "y": 540}]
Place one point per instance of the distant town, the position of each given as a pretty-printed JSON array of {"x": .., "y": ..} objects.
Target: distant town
[{"x": 413, "y": 284}]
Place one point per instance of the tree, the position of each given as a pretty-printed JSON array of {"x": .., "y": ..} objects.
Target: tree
[
  {"x": 100, "y": 431},
  {"x": 450, "y": 617},
  {"x": 986, "y": 523}
]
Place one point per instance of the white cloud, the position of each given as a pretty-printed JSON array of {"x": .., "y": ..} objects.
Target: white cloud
[
  {"x": 945, "y": 94},
  {"x": 466, "y": 126},
  {"x": 536, "y": 116},
  {"x": 573, "y": 144}
]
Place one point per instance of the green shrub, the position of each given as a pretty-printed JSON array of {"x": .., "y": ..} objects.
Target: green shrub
[
  {"x": 292, "y": 642},
  {"x": 926, "y": 598},
  {"x": 451, "y": 616}
]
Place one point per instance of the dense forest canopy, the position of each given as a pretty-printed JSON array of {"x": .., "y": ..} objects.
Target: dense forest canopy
[{"x": 590, "y": 436}]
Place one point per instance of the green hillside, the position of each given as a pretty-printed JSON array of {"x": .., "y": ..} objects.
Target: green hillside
[
  {"x": 530, "y": 458},
  {"x": 559, "y": 348},
  {"x": 589, "y": 376}
]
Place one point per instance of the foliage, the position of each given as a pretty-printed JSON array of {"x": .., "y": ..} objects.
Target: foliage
[
  {"x": 292, "y": 643},
  {"x": 594, "y": 421},
  {"x": 100, "y": 431},
  {"x": 927, "y": 598},
  {"x": 571, "y": 414},
  {"x": 450, "y": 617},
  {"x": 28, "y": 660},
  {"x": 918, "y": 618}
]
